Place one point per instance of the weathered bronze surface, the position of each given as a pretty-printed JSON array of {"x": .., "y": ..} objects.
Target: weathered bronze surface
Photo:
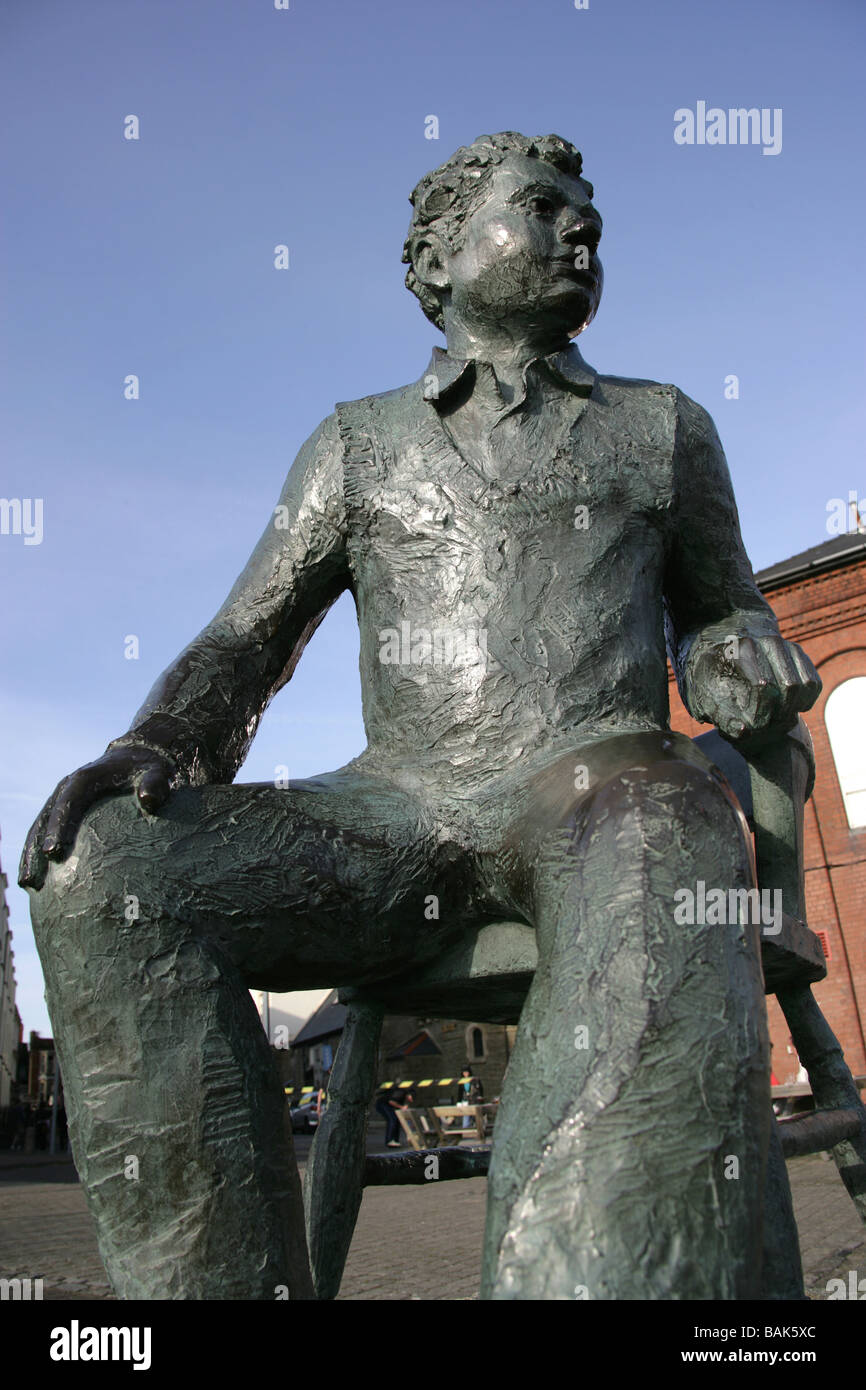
[{"x": 524, "y": 539}]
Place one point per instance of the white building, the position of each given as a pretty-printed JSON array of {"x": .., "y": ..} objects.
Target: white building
[{"x": 283, "y": 1015}]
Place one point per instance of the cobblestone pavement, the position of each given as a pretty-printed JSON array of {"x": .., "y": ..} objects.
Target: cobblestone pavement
[
  {"x": 832, "y": 1237},
  {"x": 410, "y": 1242}
]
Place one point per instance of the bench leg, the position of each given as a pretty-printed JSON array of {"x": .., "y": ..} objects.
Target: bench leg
[
  {"x": 832, "y": 1084},
  {"x": 781, "y": 1266},
  {"x": 333, "y": 1182}
]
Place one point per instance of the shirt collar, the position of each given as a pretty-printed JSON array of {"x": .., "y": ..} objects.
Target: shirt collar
[{"x": 567, "y": 368}]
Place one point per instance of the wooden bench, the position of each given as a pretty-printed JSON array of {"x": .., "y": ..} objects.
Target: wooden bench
[{"x": 422, "y": 1125}]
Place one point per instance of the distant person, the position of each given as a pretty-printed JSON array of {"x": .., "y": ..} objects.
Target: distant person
[
  {"x": 469, "y": 1088},
  {"x": 469, "y": 1092},
  {"x": 43, "y": 1126},
  {"x": 387, "y": 1105},
  {"x": 22, "y": 1115}
]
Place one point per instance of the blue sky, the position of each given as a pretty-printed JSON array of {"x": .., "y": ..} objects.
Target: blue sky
[{"x": 307, "y": 127}]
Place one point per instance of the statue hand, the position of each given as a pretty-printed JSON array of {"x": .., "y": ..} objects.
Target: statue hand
[
  {"x": 748, "y": 686},
  {"x": 54, "y": 829}
]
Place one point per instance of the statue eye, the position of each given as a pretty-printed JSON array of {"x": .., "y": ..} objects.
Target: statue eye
[{"x": 542, "y": 205}]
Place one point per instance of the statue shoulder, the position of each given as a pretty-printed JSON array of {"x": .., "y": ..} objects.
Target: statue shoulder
[
  {"x": 384, "y": 415},
  {"x": 685, "y": 419},
  {"x": 384, "y": 403},
  {"x": 638, "y": 389}
]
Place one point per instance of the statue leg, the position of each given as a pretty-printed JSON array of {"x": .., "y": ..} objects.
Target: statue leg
[
  {"x": 150, "y": 932},
  {"x": 631, "y": 1145}
]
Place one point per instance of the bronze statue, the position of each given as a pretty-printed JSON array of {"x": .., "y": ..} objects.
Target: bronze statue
[{"x": 521, "y": 535}]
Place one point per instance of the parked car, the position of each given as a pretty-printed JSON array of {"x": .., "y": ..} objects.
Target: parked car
[{"x": 304, "y": 1117}]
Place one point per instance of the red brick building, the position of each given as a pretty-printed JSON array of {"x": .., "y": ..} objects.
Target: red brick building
[{"x": 819, "y": 598}]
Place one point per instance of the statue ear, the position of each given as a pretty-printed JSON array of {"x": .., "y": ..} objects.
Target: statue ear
[{"x": 430, "y": 260}]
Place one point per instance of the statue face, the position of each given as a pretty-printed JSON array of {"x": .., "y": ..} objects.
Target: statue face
[{"x": 529, "y": 252}]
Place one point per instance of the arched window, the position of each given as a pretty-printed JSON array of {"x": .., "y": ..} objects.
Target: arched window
[
  {"x": 476, "y": 1043},
  {"x": 845, "y": 718}
]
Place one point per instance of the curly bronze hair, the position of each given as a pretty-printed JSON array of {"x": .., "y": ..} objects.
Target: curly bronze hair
[{"x": 447, "y": 196}]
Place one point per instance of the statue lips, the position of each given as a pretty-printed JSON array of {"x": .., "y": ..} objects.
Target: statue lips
[{"x": 586, "y": 275}]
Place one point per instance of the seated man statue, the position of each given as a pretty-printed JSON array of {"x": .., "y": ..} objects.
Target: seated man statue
[{"x": 524, "y": 539}]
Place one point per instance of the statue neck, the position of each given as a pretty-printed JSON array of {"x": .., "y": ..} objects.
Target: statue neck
[{"x": 508, "y": 351}]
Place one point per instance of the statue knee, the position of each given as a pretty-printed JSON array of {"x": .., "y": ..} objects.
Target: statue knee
[
  {"x": 90, "y": 877},
  {"x": 622, "y": 776},
  {"x": 675, "y": 792},
  {"x": 660, "y": 843},
  {"x": 667, "y": 821}
]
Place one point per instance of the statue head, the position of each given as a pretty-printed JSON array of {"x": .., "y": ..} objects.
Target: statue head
[{"x": 505, "y": 232}]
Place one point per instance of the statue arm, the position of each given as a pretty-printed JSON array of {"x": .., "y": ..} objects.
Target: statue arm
[
  {"x": 204, "y": 709},
  {"x": 733, "y": 666},
  {"x": 709, "y": 580}
]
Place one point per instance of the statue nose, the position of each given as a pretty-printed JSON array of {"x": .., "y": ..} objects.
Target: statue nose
[{"x": 584, "y": 232}]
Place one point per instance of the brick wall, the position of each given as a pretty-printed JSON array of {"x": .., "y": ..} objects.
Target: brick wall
[
  {"x": 826, "y": 614},
  {"x": 454, "y": 1038}
]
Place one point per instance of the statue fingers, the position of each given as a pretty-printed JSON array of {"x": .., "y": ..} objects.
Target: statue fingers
[
  {"x": 73, "y": 799},
  {"x": 810, "y": 682},
  {"x": 795, "y": 679},
  {"x": 34, "y": 865}
]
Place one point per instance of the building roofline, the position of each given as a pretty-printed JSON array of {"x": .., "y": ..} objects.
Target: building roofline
[
  {"x": 326, "y": 1020},
  {"x": 833, "y": 554}
]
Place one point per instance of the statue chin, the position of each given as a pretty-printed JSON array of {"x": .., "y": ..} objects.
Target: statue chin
[
  {"x": 575, "y": 332},
  {"x": 590, "y": 313}
]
